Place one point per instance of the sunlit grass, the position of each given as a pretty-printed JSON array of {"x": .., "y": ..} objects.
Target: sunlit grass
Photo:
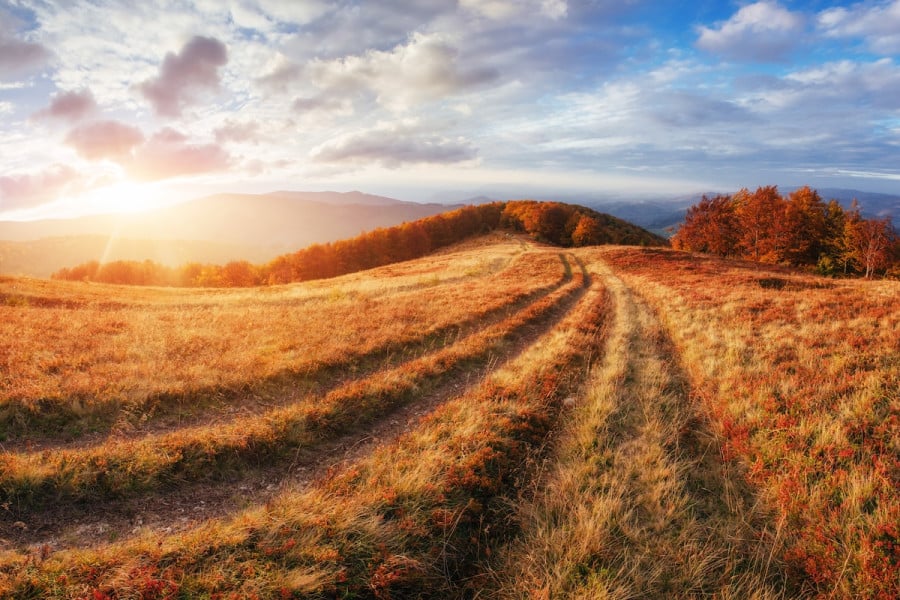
[
  {"x": 800, "y": 376},
  {"x": 400, "y": 520},
  {"x": 84, "y": 355}
]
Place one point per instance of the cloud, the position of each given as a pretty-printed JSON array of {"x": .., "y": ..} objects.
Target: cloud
[
  {"x": 168, "y": 154},
  {"x": 25, "y": 190},
  {"x": 763, "y": 32},
  {"x": 393, "y": 146},
  {"x": 877, "y": 24},
  {"x": 282, "y": 75},
  {"x": 507, "y": 9},
  {"x": 850, "y": 85},
  {"x": 426, "y": 68},
  {"x": 18, "y": 57},
  {"x": 323, "y": 105},
  {"x": 182, "y": 76},
  {"x": 104, "y": 139},
  {"x": 235, "y": 131},
  {"x": 681, "y": 110},
  {"x": 69, "y": 106},
  {"x": 267, "y": 15}
]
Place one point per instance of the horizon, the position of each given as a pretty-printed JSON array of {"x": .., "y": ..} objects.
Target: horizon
[{"x": 441, "y": 103}]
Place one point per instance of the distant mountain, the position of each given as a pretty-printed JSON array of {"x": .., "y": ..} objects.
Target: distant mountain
[
  {"x": 656, "y": 216},
  {"x": 871, "y": 204},
  {"x": 339, "y": 198},
  {"x": 216, "y": 228}
]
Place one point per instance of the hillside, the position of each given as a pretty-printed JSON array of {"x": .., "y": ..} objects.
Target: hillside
[
  {"x": 556, "y": 223},
  {"x": 500, "y": 419},
  {"x": 255, "y": 227}
]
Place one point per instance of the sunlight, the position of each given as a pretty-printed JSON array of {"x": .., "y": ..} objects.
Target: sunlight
[{"x": 122, "y": 197}]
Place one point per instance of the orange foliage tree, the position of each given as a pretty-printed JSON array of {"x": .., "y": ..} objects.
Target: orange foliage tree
[
  {"x": 710, "y": 226},
  {"x": 799, "y": 230}
]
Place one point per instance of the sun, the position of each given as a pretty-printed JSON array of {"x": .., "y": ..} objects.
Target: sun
[{"x": 123, "y": 197}]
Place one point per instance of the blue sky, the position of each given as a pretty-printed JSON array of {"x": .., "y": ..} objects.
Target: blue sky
[{"x": 107, "y": 106}]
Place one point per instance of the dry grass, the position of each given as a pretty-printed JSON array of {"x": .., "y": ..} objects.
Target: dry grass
[
  {"x": 800, "y": 376},
  {"x": 115, "y": 468},
  {"x": 406, "y": 520},
  {"x": 734, "y": 432},
  {"x": 78, "y": 358},
  {"x": 635, "y": 503}
]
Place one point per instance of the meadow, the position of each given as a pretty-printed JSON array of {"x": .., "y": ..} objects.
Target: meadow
[{"x": 500, "y": 419}]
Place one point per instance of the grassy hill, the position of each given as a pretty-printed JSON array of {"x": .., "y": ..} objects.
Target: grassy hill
[
  {"x": 499, "y": 419},
  {"x": 553, "y": 222}
]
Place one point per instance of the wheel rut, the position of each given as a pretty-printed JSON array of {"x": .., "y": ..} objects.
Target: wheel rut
[
  {"x": 636, "y": 501},
  {"x": 185, "y": 504},
  {"x": 163, "y": 414},
  {"x": 687, "y": 520}
]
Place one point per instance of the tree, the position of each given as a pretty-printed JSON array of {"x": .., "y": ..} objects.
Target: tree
[
  {"x": 239, "y": 273},
  {"x": 710, "y": 226},
  {"x": 869, "y": 242},
  {"x": 587, "y": 232},
  {"x": 802, "y": 227},
  {"x": 760, "y": 214}
]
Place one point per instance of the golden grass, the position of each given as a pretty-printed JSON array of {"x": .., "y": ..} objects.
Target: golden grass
[
  {"x": 117, "y": 468},
  {"x": 407, "y": 519},
  {"x": 79, "y": 357},
  {"x": 800, "y": 376},
  {"x": 735, "y": 432},
  {"x": 634, "y": 503}
]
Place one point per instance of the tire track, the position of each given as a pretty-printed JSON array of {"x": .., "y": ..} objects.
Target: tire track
[
  {"x": 639, "y": 504},
  {"x": 185, "y": 503},
  {"x": 163, "y": 412}
]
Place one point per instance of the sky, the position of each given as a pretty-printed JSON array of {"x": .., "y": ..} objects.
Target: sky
[{"x": 121, "y": 106}]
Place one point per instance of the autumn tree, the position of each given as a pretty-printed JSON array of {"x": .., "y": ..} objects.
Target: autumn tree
[
  {"x": 869, "y": 243},
  {"x": 833, "y": 252},
  {"x": 801, "y": 231},
  {"x": 710, "y": 226},
  {"x": 759, "y": 214},
  {"x": 587, "y": 232},
  {"x": 239, "y": 273}
]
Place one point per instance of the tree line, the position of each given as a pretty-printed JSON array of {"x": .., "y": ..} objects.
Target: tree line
[
  {"x": 799, "y": 229},
  {"x": 551, "y": 222}
]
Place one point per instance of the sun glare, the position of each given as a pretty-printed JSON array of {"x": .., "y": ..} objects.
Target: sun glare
[{"x": 123, "y": 197}]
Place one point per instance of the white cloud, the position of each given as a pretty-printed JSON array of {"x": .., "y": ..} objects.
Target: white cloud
[
  {"x": 267, "y": 15},
  {"x": 238, "y": 131},
  {"x": 24, "y": 190},
  {"x": 507, "y": 9},
  {"x": 69, "y": 106},
  {"x": 877, "y": 24},
  {"x": 168, "y": 154},
  {"x": 426, "y": 68},
  {"x": 104, "y": 139},
  {"x": 763, "y": 31},
  {"x": 393, "y": 145}
]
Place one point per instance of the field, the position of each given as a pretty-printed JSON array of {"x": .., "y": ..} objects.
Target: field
[{"x": 501, "y": 419}]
